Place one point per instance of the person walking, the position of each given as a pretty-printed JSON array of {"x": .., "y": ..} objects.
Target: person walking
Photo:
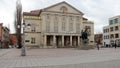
[
  {"x": 115, "y": 45},
  {"x": 98, "y": 46},
  {"x": 98, "y": 42}
]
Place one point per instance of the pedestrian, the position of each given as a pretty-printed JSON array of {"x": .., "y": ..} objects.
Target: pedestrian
[
  {"x": 98, "y": 46},
  {"x": 115, "y": 45},
  {"x": 98, "y": 42}
]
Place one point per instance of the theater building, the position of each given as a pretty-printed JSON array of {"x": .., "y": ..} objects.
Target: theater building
[{"x": 57, "y": 26}]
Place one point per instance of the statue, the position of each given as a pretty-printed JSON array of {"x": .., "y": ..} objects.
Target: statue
[{"x": 84, "y": 36}]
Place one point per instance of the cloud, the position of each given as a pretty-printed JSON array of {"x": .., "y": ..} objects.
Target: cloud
[{"x": 97, "y": 10}]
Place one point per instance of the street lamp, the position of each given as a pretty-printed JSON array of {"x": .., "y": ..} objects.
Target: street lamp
[{"x": 23, "y": 51}]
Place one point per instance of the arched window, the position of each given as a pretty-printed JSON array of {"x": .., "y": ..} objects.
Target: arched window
[{"x": 63, "y": 9}]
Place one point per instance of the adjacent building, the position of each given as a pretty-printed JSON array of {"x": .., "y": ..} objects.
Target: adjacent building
[
  {"x": 57, "y": 26},
  {"x": 1, "y": 25},
  {"x": 112, "y": 31},
  {"x": 106, "y": 36},
  {"x": 13, "y": 40},
  {"x": 4, "y": 36},
  {"x": 98, "y": 38},
  {"x": 89, "y": 25}
]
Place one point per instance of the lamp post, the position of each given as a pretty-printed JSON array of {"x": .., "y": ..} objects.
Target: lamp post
[{"x": 23, "y": 51}]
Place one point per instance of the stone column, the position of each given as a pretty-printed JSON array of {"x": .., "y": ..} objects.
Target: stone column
[
  {"x": 62, "y": 41},
  {"x": 70, "y": 40},
  {"x": 78, "y": 40},
  {"x": 54, "y": 41},
  {"x": 45, "y": 41}
]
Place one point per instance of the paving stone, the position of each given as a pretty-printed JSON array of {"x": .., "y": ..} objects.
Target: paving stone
[{"x": 62, "y": 58}]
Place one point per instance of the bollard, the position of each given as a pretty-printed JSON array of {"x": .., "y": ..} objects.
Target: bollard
[{"x": 23, "y": 51}]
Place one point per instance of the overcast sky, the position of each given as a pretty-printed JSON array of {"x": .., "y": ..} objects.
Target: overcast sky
[{"x": 96, "y": 10}]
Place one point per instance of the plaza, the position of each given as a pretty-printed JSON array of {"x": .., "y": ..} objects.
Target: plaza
[{"x": 61, "y": 58}]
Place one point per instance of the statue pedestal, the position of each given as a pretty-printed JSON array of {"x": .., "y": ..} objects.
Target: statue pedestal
[{"x": 85, "y": 46}]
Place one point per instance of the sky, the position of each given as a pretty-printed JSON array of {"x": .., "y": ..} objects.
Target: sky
[{"x": 96, "y": 10}]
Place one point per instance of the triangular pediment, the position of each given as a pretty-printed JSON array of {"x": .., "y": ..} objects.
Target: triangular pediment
[{"x": 63, "y": 7}]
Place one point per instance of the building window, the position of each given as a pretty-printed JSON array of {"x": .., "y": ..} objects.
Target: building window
[
  {"x": 63, "y": 26},
  {"x": 107, "y": 30},
  {"x": 56, "y": 23},
  {"x": 116, "y": 35},
  {"x": 111, "y": 36},
  {"x": 26, "y": 40},
  {"x": 104, "y": 30},
  {"x": 47, "y": 26},
  {"x": 33, "y": 29},
  {"x": 116, "y": 20},
  {"x": 108, "y": 36},
  {"x": 63, "y": 9},
  {"x": 78, "y": 27},
  {"x": 32, "y": 40},
  {"x": 56, "y": 27},
  {"x": 77, "y": 18},
  {"x": 104, "y": 37},
  {"x": 70, "y": 23},
  {"x": 111, "y": 28},
  {"x": 47, "y": 23},
  {"x": 111, "y": 22},
  {"x": 48, "y": 16},
  {"x": 70, "y": 26},
  {"x": 88, "y": 30},
  {"x": 63, "y": 23},
  {"x": 116, "y": 27}
]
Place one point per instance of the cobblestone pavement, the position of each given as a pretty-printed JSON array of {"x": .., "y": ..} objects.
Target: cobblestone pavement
[
  {"x": 4, "y": 51},
  {"x": 62, "y": 58}
]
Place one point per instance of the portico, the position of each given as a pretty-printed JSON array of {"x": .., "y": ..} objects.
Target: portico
[{"x": 61, "y": 41}]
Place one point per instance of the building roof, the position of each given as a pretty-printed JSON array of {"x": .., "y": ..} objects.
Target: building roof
[
  {"x": 85, "y": 18},
  {"x": 114, "y": 17},
  {"x": 65, "y": 3},
  {"x": 37, "y": 12},
  {"x": 32, "y": 13}
]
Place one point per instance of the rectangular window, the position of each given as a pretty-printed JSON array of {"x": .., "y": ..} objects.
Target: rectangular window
[
  {"x": 63, "y": 26},
  {"x": 63, "y": 23},
  {"x": 108, "y": 36},
  {"x": 104, "y": 30},
  {"x": 48, "y": 16},
  {"x": 70, "y": 23},
  {"x": 56, "y": 27},
  {"x": 70, "y": 26},
  {"x": 26, "y": 40},
  {"x": 104, "y": 37},
  {"x": 56, "y": 23},
  {"x": 32, "y": 40},
  {"x": 116, "y": 20},
  {"x": 116, "y": 27},
  {"x": 116, "y": 35},
  {"x": 77, "y": 18},
  {"x": 88, "y": 30},
  {"x": 111, "y": 22},
  {"x": 47, "y": 26},
  {"x": 78, "y": 27},
  {"x": 33, "y": 28},
  {"x": 111, "y": 28},
  {"x": 111, "y": 36},
  {"x": 47, "y": 23},
  {"x": 107, "y": 30}
]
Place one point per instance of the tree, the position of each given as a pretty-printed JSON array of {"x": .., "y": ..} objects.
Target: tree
[{"x": 18, "y": 20}]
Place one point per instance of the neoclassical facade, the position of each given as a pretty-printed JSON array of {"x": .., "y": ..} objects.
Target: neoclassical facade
[{"x": 57, "y": 26}]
